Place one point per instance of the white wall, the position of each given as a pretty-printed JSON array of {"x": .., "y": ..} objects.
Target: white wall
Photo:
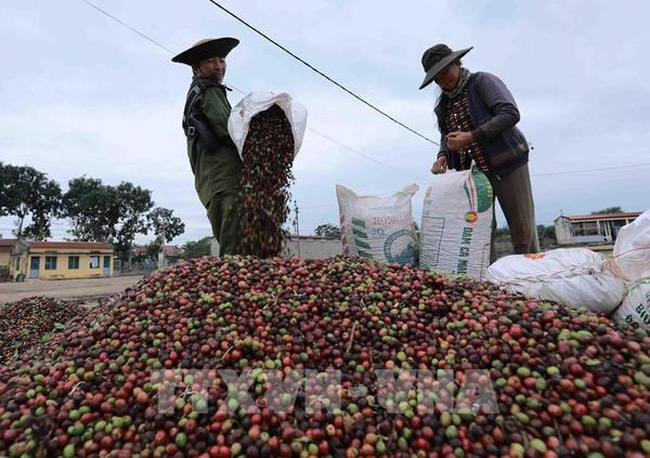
[
  {"x": 307, "y": 247},
  {"x": 313, "y": 247},
  {"x": 563, "y": 231}
]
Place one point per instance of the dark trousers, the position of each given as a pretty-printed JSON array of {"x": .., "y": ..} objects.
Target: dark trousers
[
  {"x": 224, "y": 211},
  {"x": 515, "y": 197}
]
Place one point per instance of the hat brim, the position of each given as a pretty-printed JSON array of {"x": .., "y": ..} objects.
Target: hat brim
[
  {"x": 219, "y": 47},
  {"x": 439, "y": 66}
]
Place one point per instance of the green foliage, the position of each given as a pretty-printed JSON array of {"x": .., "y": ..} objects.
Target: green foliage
[
  {"x": 546, "y": 233},
  {"x": 104, "y": 213},
  {"x": 503, "y": 232},
  {"x": 607, "y": 210},
  {"x": 162, "y": 221},
  {"x": 154, "y": 247},
  {"x": 26, "y": 192},
  {"x": 135, "y": 202},
  {"x": 197, "y": 249},
  {"x": 98, "y": 212},
  {"x": 328, "y": 230},
  {"x": 93, "y": 208}
]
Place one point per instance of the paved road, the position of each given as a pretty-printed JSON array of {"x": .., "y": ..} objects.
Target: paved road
[{"x": 66, "y": 289}]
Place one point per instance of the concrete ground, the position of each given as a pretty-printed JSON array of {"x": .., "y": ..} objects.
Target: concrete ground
[{"x": 86, "y": 288}]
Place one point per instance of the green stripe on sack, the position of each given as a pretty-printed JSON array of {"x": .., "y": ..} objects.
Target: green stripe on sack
[
  {"x": 483, "y": 190},
  {"x": 359, "y": 222},
  {"x": 358, "y": 233},
  {"x": 361, "y": 244}
]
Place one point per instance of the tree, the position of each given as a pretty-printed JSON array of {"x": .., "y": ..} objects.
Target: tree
[
  {"x": 135, "y": 202},
  {"x": 163, "y": 222},
  {"x": 110, "y": 214},
  {"x": 93, "y": 208},
  {"x": 608, "y": 210},
  {"x": 24, "y": 191},
  {"x": 503, "y": 232},
  {"x": 198, "y": 249},
  {"x": 154, "y": 247},
  {"x": 546, "y": 235},
  {"x": 328, "y": 230}
]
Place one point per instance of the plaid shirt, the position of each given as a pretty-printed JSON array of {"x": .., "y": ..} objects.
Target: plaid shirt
[
  {"x": 493, "y": 112},
  {"x": 457, "y": 119}
]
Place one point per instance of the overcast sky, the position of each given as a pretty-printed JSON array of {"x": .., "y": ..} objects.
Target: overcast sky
[{"x": 83, "y": 95}]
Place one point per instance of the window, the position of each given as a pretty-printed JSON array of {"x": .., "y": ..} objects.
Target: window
[
  {"x": 50, "y": 262},
  {"x": 94, "y": 262},
  {"x": 73, "y": 262},
  {"x": 585, "y": 228}
]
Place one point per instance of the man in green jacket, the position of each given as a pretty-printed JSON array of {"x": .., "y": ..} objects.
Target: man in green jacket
[{"x": 215, "y": 163}]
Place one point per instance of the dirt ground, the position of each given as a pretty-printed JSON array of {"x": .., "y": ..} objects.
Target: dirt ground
[{"x": 87, "y": 289}]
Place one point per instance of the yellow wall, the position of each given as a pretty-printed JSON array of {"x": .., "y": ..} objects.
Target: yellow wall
[
  {"x": 5, "y": 253},
  {"x": 62, "y": 270},
  {"x": 18, "y": 265}
]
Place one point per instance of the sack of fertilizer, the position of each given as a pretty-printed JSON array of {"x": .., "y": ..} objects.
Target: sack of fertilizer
[
  {"x": 632, "y": 249},
  {"x": 457, "y": 223},
  {"x": 379, "y": 228},
  {"x": 635, "y": 309},
  {"x": 577, "y": 277},
  {"x": 257, "y": 102}
]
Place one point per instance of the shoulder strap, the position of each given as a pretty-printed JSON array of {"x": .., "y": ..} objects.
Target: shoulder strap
[
  {"x": 194, "y": 120},
  {"x": 196, "y": 90}
]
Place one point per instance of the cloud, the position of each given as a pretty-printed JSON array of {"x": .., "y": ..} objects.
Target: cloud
[{"x": 87, "y": 96}]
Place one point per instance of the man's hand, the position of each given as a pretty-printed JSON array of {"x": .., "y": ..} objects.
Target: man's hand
[
  {"x": 457, "y": 140},
  {"x": 440, "y": 166}
]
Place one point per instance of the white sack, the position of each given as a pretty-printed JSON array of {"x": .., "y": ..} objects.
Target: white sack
[
  {"x": 572, "y": 276},
  {"x": 632, "y": 249},
  {"x": 635, "y": 309},
  {"x": 257, "y": 102},
  {"x": 456, "y": 228},
  {"x": 379, "y": 228}
]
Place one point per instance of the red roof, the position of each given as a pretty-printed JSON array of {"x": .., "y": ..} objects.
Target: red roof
[
  {"x": 170, "y": 250},
  {"x": 75, "y": 245},
  {"x": 54, "y": 245},
  {"x": 622, "y": 215}
]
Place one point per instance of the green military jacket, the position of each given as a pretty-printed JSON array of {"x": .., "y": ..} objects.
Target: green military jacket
[{"x": 215, "y": 171}]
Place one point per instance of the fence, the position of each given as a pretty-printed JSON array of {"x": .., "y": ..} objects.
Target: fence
[{"x": 138, "y": 268}]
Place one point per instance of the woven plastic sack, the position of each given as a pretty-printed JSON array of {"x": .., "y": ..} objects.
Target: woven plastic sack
[
  {"x": 379, "y": 228},
  {"x": 632, "y": 249},
  {"x": 571, "y": 276},
  {"x": 257, "y": 102},
  {"x": 456, "y": 225},
  {"x": 635, "y": 309}
]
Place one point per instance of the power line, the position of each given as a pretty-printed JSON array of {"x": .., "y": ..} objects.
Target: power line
[
  {"x": 133, "y": 29},
  {"x": 365, "y": 156},
  {"x": 129, "y": 27},
  {"x": 336, "y": 83},
  {"x": 564, "y": 172}
]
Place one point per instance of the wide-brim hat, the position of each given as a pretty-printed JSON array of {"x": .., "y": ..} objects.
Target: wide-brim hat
[
  {"x": 204, "y": 49},
  {"x": 436, "y": 58}
]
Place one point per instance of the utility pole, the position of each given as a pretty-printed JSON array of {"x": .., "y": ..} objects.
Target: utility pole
[
  {"x": 297, "y": 229},
  {"x": 161, "y": 253}
]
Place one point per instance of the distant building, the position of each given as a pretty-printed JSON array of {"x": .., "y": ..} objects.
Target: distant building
[
  {"x": 303, "y": 247},
  {"x": 172, "y": 253},
  {"x": 598, "y": 229},
  {"x": 53, "y": 260}
]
